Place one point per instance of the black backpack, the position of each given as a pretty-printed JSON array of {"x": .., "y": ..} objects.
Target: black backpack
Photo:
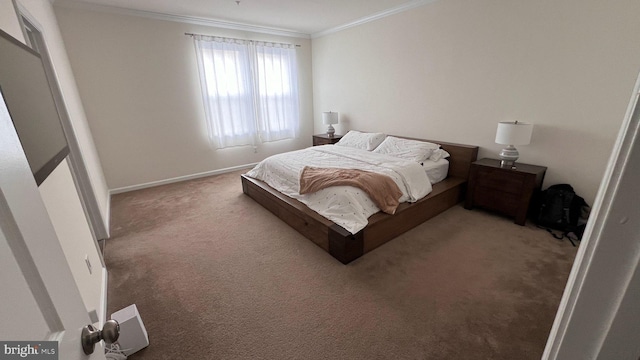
[{"x": 560, "y": 208}]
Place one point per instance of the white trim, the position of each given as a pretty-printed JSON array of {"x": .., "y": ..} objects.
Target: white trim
[
  {"x": 179, "y": 179},
  {"x": 108, "y": 216},
  {"x": 103, "y": 298},
  {"x": 392, "y": 11},
  {"x": 73, "y": 4}
]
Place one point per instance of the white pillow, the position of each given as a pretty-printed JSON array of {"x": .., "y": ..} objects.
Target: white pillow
[
  {"x": 407, "y": 149},
  {"x": 360, "y": 140},
  {"x": 438, "y": 154}
]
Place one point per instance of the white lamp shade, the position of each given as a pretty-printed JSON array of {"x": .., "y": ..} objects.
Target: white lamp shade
[
  {"x": 329, "y": 117},
  {"x": 514, "y": 133}
]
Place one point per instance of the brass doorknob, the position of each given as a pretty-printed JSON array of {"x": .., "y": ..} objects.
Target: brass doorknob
[{"x": 91, "y": 336}]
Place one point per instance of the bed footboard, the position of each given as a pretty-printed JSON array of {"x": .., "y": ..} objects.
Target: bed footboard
[{"x": 337, "y": 241}]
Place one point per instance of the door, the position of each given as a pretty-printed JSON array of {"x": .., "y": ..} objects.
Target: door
[
  {"x": 39, "y": 299},
  {"x": 598, "y": 317}
]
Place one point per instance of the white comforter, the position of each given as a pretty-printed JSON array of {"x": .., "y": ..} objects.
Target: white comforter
[{"x": 346, "y": 206}]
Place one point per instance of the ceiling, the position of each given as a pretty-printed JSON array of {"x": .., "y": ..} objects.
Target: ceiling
[{"x": 302, "y": 16}]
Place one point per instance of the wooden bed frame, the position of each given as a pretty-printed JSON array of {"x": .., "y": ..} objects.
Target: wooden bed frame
[{"x": 382, "y": 227}]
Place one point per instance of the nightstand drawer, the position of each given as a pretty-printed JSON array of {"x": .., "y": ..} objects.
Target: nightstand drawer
[
  {"x": 496, "y": 179},
  {"x": 505, "y": 190},
  {"x": 317, "y": 141},
  {"x": 504, "y": 202},
  {"x": 324, "y": 139}
]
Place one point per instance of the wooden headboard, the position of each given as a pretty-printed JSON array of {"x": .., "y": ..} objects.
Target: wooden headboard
[{"x": 461, "y": 158}]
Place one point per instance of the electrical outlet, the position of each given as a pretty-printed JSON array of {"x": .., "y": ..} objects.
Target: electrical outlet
[{"x": 86, "y": 260}]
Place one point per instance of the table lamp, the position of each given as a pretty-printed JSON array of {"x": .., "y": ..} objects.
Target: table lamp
[
  {"x": 510, "y": 134},
  {"x": 330, "y": 118}
]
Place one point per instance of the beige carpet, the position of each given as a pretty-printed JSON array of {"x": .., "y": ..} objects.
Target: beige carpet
[{"x": 216, "y": 276}]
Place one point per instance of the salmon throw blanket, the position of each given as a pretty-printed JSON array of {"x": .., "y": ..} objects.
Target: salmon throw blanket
[{"x": 382, "y": 190}]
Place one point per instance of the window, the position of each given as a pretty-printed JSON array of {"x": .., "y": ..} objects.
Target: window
[{"x": 250, "y": 90}]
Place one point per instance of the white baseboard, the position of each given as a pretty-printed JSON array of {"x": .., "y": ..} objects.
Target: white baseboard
[{"x": 179, "y": 179}]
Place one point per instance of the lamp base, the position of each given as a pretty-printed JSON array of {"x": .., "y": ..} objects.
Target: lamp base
[
  {"x": 330, "y": 131},
  {"x": 508, "y": 156}
]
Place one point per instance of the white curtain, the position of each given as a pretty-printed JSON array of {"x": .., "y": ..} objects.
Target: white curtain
[
  {"x": 250, "y": 91},
  {"x": 277, "y": 84},
  {"x": 227, "y": 91}
]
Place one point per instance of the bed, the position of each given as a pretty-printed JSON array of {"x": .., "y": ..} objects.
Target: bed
[{"x": 380, "y": 228}]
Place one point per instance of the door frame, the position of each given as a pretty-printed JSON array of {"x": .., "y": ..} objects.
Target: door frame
[{"x": 79, "y": 170}]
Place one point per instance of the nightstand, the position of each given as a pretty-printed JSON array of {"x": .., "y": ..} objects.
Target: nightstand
[
  {"x": 505, "y": 190},
  {"x": 324, "y": 139}
]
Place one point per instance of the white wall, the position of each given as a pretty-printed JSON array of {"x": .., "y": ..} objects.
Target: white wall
[
  {"x": 58, "y": 190},
  {"x": 139, "y": 84},
  {"x": 452, "y": 69},
  {"x": 68, "y": 219}
]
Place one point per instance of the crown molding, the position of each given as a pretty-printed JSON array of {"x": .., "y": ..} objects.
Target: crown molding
[
  {"x": 72, "y": 4},
  {"x": 392, "y": 11}
]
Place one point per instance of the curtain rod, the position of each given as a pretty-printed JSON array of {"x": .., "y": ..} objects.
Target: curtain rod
[{"x": 224, "y": 37}]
